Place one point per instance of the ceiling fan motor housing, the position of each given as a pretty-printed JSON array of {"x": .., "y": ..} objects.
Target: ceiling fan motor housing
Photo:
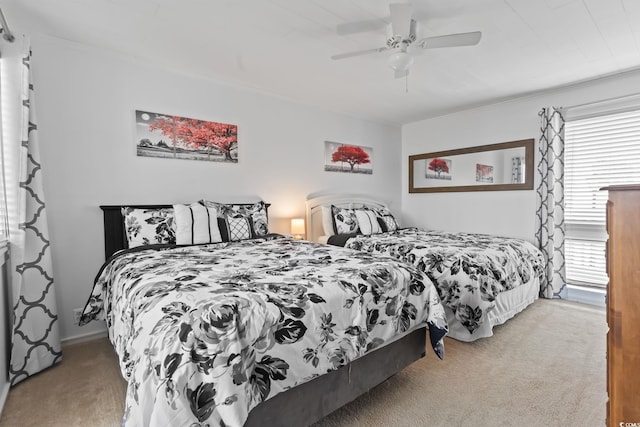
[{"x": 398, "y": 40}]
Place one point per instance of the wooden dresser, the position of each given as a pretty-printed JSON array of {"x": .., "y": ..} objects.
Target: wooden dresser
[{"x": 623, "y": 305}]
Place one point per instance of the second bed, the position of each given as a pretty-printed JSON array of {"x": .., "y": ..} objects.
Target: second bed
[{"x": 483, "y": 280}]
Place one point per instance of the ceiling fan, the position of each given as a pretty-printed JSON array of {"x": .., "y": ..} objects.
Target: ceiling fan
[{"x": 402, "y": 38}]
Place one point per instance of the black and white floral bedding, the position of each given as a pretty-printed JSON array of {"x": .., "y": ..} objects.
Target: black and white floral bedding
[
  {"x": 469, "y": 270},
  {"x": 204, "y": 333}
]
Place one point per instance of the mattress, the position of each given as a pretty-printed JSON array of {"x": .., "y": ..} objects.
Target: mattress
[
  {"x": 204, "y": 333},
  {"x": 483, "y": 280}
]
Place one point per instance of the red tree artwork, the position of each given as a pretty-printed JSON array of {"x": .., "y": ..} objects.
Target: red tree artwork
[
  {"x": 438, "y": 166},
  {"x": 198, "y": 134},
  {"x": 168, "y": 125},
  {"x": 351, "y": 154},
  {"x": 210, "y": 135}
]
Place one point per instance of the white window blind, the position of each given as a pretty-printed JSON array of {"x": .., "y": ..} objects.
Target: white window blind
[
  {"x": 4, "y": 220},
  {"x": 599, "y": 151},
  {"x": 11, "y": 124},
  {"x": 585, "y": 262}
]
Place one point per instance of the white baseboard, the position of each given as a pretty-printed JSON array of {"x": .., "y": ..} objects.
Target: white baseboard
[
  {"x": 76, "y": 339},
  {"x": 587, "y": 295}
]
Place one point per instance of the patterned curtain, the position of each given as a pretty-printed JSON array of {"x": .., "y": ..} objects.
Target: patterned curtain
[
  {"x": 550, "y": 226},
  {"x": 35, "y": 337}
]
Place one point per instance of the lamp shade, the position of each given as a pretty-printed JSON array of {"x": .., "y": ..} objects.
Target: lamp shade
[{"x": 297, "y": 226}]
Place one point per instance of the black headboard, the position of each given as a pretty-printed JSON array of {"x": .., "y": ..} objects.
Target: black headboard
[{"x": 115, "y": 237}]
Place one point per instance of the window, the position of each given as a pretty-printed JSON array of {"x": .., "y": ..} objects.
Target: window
[
  {"x": 4, "y": 223},
  {"x": 599, "y": 151},
  {"x": 4, "y": 220},
  {"x": 11, "y": 119}
]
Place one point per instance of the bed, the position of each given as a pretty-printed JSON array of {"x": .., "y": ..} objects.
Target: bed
[
  {"x": 483, "y": 280},
  {"x": 260, "y": 331}
]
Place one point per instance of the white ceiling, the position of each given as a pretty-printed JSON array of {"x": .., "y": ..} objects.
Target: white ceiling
[{"x": 283, "y": 47}]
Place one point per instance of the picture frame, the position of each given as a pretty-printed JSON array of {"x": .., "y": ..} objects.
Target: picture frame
[
  {"x": 484, "y": 173},
  {"x": 348, "y": 158},
  {"x": 175, "y": 137}
]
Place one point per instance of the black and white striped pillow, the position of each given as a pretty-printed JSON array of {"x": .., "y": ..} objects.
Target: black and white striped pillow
[
  {"x": 196, "y": 224},
  {"x": 367, "y": 221}
]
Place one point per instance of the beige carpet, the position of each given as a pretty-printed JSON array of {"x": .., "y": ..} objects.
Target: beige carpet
[{"x": 546, "y": 367}]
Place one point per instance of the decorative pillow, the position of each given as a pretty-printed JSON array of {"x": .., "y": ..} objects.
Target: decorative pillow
[
  {"x": 344, "y": 220},
  {"x": 380, "y": 211},
  {"x": 388, "y": 223},
  {"x": 148, "y": 226},
  {"x": 257, "y": 214},
  {"x": 367, "y": 221},
  {"x": 195, "y": 224},
  {"x": 235, "y": 228}
]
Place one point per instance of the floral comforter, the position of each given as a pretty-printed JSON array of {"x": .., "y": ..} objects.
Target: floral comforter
[
  {"x": 205, "y": 333},
  {"x": 469, "y": 270}
]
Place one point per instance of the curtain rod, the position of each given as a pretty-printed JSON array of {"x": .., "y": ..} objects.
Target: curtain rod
[{"x": 5, "y": 28}]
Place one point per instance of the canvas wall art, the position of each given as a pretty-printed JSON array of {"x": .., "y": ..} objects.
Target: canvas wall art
[
  {"x": 484, "y": 173},
  {"x": 347, "y": 158},
  {"x": 438, "y": 168},
  {"x": 167, "y": 136}
]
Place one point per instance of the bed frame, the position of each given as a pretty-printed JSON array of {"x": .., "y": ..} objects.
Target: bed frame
[{"x": 311, "y": 401}]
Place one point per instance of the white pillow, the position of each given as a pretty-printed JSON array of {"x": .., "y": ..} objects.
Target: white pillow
[
  {"x": 327, "y": 221},
  {"x": 196, "y": 224},
  {"x": 367, "y": 221}
]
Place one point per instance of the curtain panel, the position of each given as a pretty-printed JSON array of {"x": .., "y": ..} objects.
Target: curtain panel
[
  {"x": 35, "y": 341},
  {"x": 550, "y": 225}
]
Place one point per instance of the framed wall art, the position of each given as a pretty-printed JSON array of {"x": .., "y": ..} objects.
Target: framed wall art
[
  {"x": 438, "y": 168},
  {"x": 347, "y": 158},
  {"x": 175, "y": 137},
  {"x": 484, "y": 173}
]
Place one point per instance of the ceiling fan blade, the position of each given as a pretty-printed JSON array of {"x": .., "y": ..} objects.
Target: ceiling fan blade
[
  {"x": 400, "y": 19},
  {"x": 399, "y": 74},
  {"x": 359, "y": 53},
  {"x": 360, "y": 26},
  {"x": 451, "y": 40}
]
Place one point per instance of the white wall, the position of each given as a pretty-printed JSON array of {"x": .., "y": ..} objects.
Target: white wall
[
  {"x": 85, "y": 99},
  {"x": 506, "y": 213}
]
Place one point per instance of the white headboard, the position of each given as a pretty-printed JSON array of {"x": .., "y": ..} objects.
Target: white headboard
[{"x": 314, "y": 211}]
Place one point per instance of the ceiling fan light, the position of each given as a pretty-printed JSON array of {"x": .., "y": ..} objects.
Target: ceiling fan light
[{"x": 400, "y": 61}]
